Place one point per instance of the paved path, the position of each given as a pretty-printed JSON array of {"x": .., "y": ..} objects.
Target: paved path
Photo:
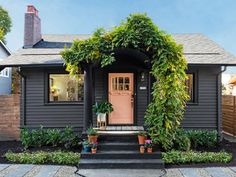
[{"x": 67, "y": 171}]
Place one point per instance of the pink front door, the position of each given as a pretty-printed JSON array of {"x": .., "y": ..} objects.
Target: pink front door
[{"x": 121, "y": 97}]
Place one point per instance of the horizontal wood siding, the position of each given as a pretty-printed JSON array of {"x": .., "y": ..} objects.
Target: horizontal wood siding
[
  {"x": 38, "y": 112},
  {"x": 229, "y": 114},
  {"x": 203, "y": 113},
  {"x": 141, "y": 99}
]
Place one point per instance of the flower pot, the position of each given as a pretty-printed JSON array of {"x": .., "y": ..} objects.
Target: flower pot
[
  {"x": 102, "y": 117},
  {"x": 94, "y": 150},
  {"x": 141, "y": 139},
  {"x": 87, "y": 149},
  {"x": 92, "y": 138},
  {"x": 142, "y": 149},
  {"x": 149, "y": 150}
]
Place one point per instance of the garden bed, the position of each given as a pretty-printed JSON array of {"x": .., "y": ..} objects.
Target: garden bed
[
  {"x": 223, "y": 146},
  {"x": 16, "y": 146}
]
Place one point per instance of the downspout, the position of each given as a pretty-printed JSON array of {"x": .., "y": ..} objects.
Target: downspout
[
  {"x": 23, "y": 96},
  {"x": 219, "y": 111}
]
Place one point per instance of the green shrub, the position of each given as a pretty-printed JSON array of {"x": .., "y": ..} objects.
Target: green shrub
[
  {"x": 181, "y": 141},
  {"x": 41, "y": 157},
  {"x": 178, "y": 157},
  {"x": 202, "y": 138},
  {"x": 25, "y": 137},
  {"x": 49, "y": 137},
  {"x": 53, "y": 137}
]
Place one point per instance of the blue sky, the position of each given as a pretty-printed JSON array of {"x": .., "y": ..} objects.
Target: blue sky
[{"x": 214, "y": 18}]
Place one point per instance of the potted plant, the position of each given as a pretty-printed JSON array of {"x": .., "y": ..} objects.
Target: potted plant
[
  {"x": 86, "y": 146},
  {"x": 94, "y": 148},
  {"x": 142, "y": 149},
  {"x": 92, "y": 135},
  {"x": 102, "y": 109},
  {"x": 142, "y": 135},
  {"x": 148, "y": 145}
]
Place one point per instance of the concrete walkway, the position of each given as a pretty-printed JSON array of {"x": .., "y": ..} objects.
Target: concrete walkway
[{"x": 67, "y": 171}]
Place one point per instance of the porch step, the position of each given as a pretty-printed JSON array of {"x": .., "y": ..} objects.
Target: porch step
[
  {"x": 120, "y": 155},
  {"x": 112, "y": 146},
  {"x": 118, "y": 138},
  {"x": 121, "y": 164}
]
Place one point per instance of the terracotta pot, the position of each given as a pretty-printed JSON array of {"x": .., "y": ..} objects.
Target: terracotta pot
[
  {"x": 142, "y": 149},
  {"x": 94, "y": 151},
  {"x": 92, "y": 139},
  {"x": 149, "y": 150},
  {"x": 141, "y": 139}
]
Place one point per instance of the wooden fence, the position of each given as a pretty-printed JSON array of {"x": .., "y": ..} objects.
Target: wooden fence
[{"x": 229, "y": 114}]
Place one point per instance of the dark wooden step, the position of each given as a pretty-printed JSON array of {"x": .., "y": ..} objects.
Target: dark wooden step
[
  {"x": 118, "y": 138},
  {"x": 111, "y": 146},
  {"x": 120, "y": 155},
  {"x": 121, "y": 164}
]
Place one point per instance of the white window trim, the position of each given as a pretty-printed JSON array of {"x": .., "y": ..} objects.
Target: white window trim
[{"x": 5, "y": 72}]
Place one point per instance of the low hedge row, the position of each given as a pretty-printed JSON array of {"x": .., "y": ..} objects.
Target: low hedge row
[
  {"x": 41, "y": 157},
  {"x": 188, "y": 157},
  {"x": 50, "y": 137},
  {"x": 185, "y": 140}
]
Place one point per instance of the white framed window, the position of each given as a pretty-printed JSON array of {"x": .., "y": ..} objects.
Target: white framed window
[{"x": 5, "y": 72}]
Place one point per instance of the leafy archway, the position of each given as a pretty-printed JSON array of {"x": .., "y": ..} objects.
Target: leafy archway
[{"x": 165, "y": 112}]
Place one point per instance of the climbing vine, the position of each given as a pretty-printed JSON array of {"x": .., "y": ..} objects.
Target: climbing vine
[{"x": 165, "y": 112}]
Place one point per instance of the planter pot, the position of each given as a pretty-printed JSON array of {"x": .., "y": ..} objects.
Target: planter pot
[
  {"x": 92, "y": 138},
  {"x": 102, "y": 117},
  {"x": 87, "y": 149},
  {"x": 94, "y": 151},
  {"x": 149, "y": 150},
  {"x": 142, "y": 149},
  {"x": 141, "y": 139}
]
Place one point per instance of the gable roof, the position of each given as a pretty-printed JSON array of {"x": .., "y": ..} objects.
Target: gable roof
[{"x": 197, "y": 48}]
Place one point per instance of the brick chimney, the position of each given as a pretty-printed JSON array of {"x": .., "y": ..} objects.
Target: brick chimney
[{"x": 32, "y": 27}]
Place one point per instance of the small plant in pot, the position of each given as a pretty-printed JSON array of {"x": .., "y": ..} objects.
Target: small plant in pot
[
  {"x": 148, "y": 145},
  {"x": 102, "y": 109},
  {"x": 142, "y": 149},
  {"x": 86, "y": 146},
  {"x": 94, "y": 148},
  {"x": 92, "y": 135},
  {"x": 142, "y": 136}
]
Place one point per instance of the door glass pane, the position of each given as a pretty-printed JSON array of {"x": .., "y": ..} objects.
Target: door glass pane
[
  {"x": 120, "y": 83},
  {"x": 114, "y": 83}
]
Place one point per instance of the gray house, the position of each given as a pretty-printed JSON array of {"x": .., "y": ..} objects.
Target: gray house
[
  {"x": 52, "y": 99},
  {"x": 5, "y": 75}
]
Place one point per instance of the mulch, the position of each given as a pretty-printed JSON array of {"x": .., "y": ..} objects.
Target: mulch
[{"x": 15, "y": 146}]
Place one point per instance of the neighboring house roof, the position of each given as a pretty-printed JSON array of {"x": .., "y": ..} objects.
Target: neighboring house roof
[
  {"x": 5, "y": 48},
  {"x": 232, "y": 80},
  {"x": 198, "y": 49}
]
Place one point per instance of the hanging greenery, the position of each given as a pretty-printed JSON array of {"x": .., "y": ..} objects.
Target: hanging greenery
[{"x": 165, "y": 112}]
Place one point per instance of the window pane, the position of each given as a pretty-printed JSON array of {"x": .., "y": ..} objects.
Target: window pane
[
  {"x": 189, "y": 84},
  {"x": 120, "y": 83},
  {"x": 65, "y": 88}
]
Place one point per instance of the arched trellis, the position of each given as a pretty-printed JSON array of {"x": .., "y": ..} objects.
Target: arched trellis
[{"x": 168, "y": 65}]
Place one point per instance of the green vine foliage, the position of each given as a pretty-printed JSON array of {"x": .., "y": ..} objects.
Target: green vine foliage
[{"x": 165, "y": 112}]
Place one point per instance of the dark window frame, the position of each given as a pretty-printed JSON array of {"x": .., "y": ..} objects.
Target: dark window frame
[
  {"x": 194, "y": 101},
  {"x": 47, "y": 92}
]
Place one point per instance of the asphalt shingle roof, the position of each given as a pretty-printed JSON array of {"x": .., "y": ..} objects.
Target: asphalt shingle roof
[{"x": 198, "y": 49}]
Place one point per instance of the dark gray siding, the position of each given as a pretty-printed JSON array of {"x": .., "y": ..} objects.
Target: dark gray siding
[
  {"x": 39, "y": 112},
  {"x": 203, "y": 113}
]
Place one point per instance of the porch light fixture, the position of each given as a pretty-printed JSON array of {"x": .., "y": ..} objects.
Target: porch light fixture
[{"x": 142, "y": 76}]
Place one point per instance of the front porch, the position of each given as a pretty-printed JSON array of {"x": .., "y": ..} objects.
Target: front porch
[{"x": 126, "y": 130}]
